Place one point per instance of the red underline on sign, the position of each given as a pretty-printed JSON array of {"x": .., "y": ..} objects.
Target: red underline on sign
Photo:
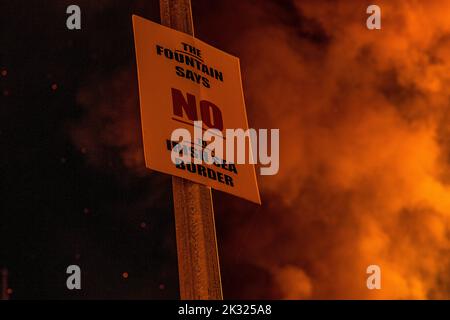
[
  {"x": 189, "y": 54},
  {"x": 191, "y": 124}
]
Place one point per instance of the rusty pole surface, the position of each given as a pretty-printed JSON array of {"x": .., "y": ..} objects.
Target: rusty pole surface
[{"x": 198, "y": 260}]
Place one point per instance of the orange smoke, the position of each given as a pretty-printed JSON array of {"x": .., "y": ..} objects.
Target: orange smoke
[
  {"x": 365, "y": 146},
  {"x": 109, "y": 133},
  {"x": 363, "y": 118}
]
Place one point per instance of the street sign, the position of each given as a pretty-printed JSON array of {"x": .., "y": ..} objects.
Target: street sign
[{"x": 183, "y": 80}]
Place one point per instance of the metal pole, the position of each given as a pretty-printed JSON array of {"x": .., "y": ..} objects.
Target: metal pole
[{"x": 198, "y": 260}]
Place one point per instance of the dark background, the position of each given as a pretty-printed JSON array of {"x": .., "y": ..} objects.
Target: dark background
[
  {"x": 364, "y": 151},
  {"x": 58, "y": 209}
]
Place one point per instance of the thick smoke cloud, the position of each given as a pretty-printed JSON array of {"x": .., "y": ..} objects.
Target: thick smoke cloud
[
  {"x": 365, "y": 153},
  {"x": 109, "y": 133},
  {"x": 363, "y": 117}
]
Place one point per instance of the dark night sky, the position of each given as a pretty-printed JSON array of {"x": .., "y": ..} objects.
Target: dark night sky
[{"x": 57, "y": 209}]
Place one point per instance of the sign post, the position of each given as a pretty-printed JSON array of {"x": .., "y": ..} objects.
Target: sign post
[
  {"x": 188, "y": 87},
  {"x": 198, "y": 260}
]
